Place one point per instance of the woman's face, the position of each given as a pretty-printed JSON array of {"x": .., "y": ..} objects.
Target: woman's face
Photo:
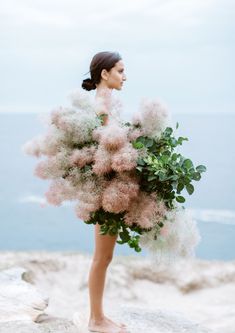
[{"x": 116, "y": 76}]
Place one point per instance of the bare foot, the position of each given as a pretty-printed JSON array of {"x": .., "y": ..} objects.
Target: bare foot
[
  {"x": 118, "y": 324},
  {"x": 106, "y": 325}
]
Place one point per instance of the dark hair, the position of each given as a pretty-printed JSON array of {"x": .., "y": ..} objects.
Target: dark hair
[{"x": 102, "y": 60}]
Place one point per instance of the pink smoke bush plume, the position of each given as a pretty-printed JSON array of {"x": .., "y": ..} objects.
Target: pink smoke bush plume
[
  {"x": 124, "y": 159},
  {"x": 90, "y": 199},
  {"x": 102, "y": 161},
  {"x": 111, "y": 137},
  {"x": 153, "y": 117},
  {"x": 59, "y": 191},
  {"x": 145, "y": 211},
  {"x": 81, "y": 157},
  {"x": 119, "y": 193}
]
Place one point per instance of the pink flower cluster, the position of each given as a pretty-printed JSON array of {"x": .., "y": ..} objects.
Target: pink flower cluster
[
  {"x": 89, "y": 195},
  {"x": 119, "y": 193},
  {"x": 145, "y": 211},
  {"x": 59, "y": 191},
  {"x": 114, "y": 152},
  {"x": 153, "y": 117},
  {"x": 81, "y": 157}
]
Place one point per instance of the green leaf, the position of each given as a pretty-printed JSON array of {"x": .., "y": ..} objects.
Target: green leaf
[
  {"x": 168, "y": 131},
  {"x": 180, "y": 187},
  {"x": 164, "y": 158},
  {"x": 177, "y": 125},
  {"x": 149, "y": 142},
  {"x": 162, "y": 176},
  {"x": 138, "y": 249},
  {"x": 140, "y": 161},
  {"x": 173, "y": 177},
  {"x": 174, "y": 184},
  {"x": 137, "y": 145},
  {"x": 190, "y": 188},
  {"x": 201, "y": 168},
  {"x": 120, "y": 242},
  {"x": 181, "y": 139},
  {"x": 187, "y": 163},
  {"x": 174, "y": 142},
  {"x": 87, "y": 168},
  {"x": 113, "y": 231},
  {"x": 151, "y": 177},
  {"x": 88, "y": 222},
  {"x": 174, "y": 157},
  {"x": 124, "y": 236},
  {"x": 140, "y": 168},
  {"x": 179, "y": 198},
  {"x": 196, "y": 176},
  {"x": 141, "y": 139}
]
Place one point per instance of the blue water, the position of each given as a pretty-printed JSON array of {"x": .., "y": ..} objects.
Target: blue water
[{"x": 25, "y": 225}]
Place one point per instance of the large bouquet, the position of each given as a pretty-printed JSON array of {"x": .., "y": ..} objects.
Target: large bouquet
[{"x": 126, "y": 176}]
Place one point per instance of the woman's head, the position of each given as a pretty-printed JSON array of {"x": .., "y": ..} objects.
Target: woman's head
[{"x": 107, "y": 69}]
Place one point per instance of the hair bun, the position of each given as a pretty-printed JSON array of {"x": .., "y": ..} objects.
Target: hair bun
[{"x": 88, "y": 84}]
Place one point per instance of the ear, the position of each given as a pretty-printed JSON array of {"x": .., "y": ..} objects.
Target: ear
[{"x": 104, "y": 74}]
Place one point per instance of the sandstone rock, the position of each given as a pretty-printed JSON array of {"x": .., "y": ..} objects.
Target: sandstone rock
[{"x": 19, "y": 300}]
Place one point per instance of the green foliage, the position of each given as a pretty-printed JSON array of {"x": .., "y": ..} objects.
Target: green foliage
[
  {"x": 113, "y": 224},
  {"x": 165, "y": 171}
]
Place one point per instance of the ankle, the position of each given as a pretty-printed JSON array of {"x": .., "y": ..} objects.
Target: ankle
[{"x": 96, "y": 318}]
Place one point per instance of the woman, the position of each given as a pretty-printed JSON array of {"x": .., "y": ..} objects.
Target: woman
[{"x": 107, "y": 73}]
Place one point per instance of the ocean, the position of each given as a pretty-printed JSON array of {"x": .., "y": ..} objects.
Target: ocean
[{"x": 25, "y": 225}]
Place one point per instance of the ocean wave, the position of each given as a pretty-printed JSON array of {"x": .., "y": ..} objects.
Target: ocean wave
[
  {"x": 224, "y": 216},
  {"x": 36, "y": 199}
]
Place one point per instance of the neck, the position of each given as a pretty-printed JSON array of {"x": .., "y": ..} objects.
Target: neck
[{"x": 102, "y": 90}]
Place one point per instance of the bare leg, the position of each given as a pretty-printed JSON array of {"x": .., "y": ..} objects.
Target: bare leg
[{"x": 104, "y": 246}]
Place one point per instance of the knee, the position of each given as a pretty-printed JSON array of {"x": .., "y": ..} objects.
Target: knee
[{"x": 102, "y": 261}]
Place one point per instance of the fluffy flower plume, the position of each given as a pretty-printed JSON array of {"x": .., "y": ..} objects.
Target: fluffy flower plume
[
  {"x": 53, "y": 167},
  {"x": 81, "y": 157},
  {"x": 133, "y": 134},
  {"x": 124, "y": 159},
  {"x": 119, "y": 193},
  {"x": 111, "y": 137},
  {"x": 58, "y": 113},
  {"x": 33, "y": 147},
  {"x": 102, "y": 161},
  {"x": 89, "y": 196},
  {"x": 59, "y": 191},
  {"x": 83, "y": 210},
  {"x": 145, "y": 211},
  {"x": 81, "y": 99},
  {"x": 76, "y": 125},
  {"x": 54, "y": 141},
  {"x": 152, "y": 116},
  {"x": 49, "y": 144},
  {"x": 179, "y": 237}
]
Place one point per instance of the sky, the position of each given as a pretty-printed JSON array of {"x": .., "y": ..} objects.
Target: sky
[{"x": 179, "y": 51}]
